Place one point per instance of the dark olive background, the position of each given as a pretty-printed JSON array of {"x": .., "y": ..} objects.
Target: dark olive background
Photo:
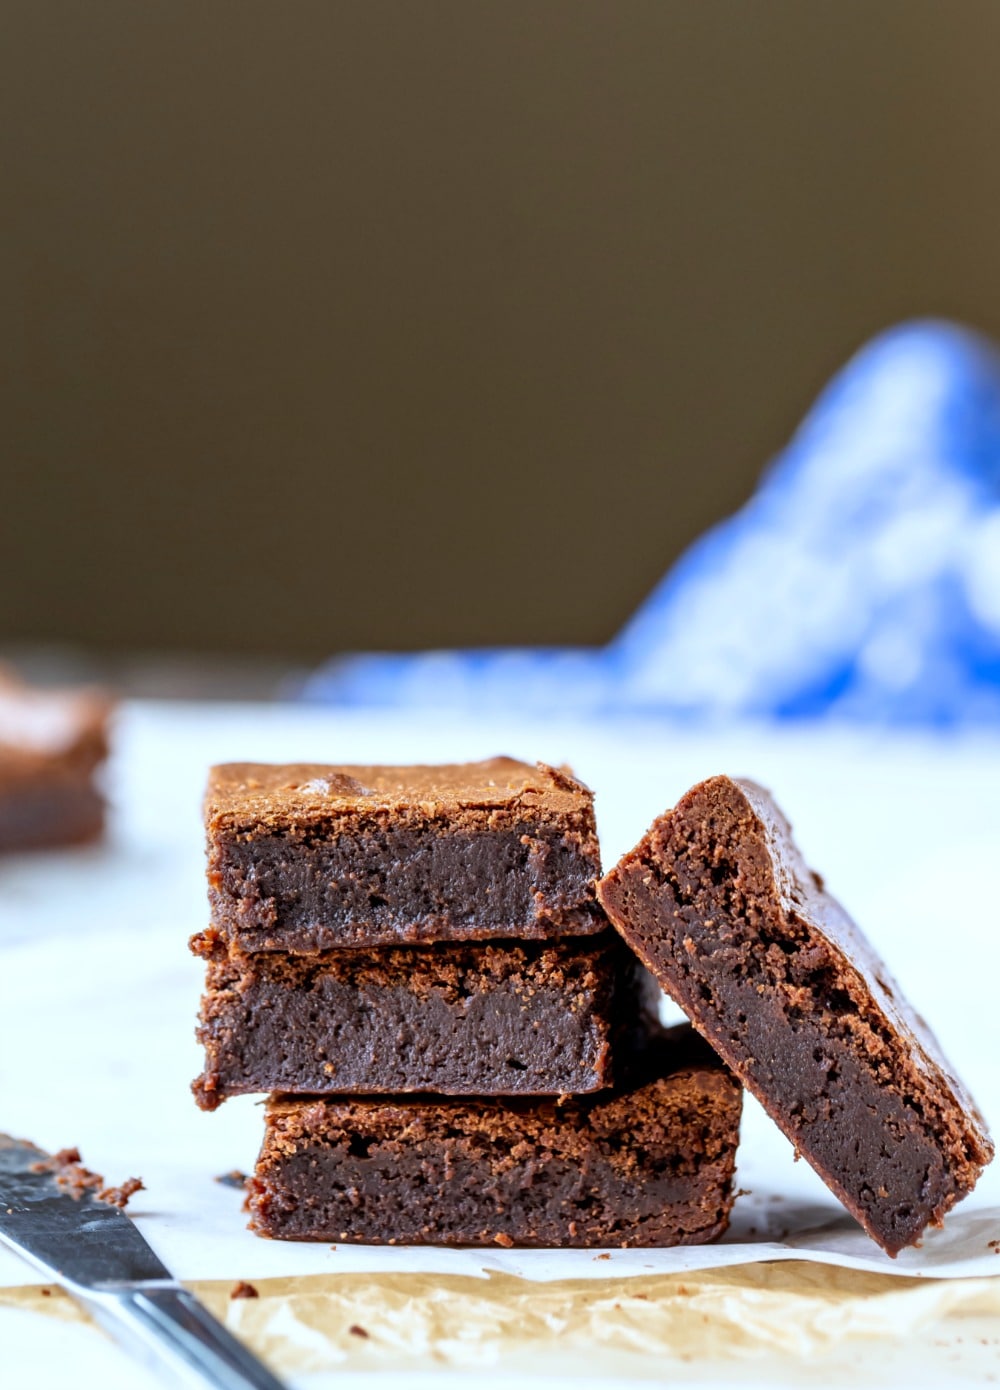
[{"x": 378, "y": 324}]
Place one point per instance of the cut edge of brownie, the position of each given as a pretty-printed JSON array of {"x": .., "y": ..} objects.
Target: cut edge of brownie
[
  {"x": 650, "y": 1164},
  {"x": 504, "y": 1017},
  {"x": 722, "y": 878}
]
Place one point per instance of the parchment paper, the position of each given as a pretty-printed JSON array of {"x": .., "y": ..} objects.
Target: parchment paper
[{"x": 791, "y": 1323}]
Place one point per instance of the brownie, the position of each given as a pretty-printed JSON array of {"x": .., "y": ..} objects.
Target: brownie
[
  {"x": 718, "y": 902},
  {"x": 52, "y": 745},
  {"x": 459, "y": 1018},
  {"x": 650, "y": 1164},
  {"x": 306, "y": 858}
]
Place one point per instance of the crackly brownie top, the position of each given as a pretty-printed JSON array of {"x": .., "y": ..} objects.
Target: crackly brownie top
[
  {"x": 41, "y": 724},
  {"x": 269, "y": 792}
]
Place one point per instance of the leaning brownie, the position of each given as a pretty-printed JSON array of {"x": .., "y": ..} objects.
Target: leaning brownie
[
  {"x": 307, "y": 858},
  {"x": 718, "y": 902},
  {"x": 459, "y": 1018},
  {"x": 651, "y": 1164},
  {"x": 52, "y": 745}
]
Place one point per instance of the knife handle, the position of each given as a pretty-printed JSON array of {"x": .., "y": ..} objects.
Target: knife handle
[{"x": 178, "y": 1337}]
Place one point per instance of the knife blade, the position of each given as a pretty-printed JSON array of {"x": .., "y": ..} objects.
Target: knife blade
[{"x": 99, "y": 1256}]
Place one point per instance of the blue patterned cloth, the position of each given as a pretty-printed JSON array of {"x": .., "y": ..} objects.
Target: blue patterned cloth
[{"x": 861, "y": 580}]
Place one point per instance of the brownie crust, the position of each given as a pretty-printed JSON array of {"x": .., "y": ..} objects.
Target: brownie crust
[
  {"x": 306, "y": 857},
  {"x": 650, "y": 1165},
  {"x": 457, "y": 1018},
  {"x": 718, "y": 902}
]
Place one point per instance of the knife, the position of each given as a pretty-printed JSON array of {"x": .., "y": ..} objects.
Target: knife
[{"x": 98, "y": 1256}]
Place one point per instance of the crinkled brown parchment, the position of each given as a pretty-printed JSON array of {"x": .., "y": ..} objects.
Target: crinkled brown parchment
[{"x": 790, "y": 1319}]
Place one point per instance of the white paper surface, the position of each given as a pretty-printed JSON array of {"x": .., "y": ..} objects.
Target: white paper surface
[{"x": 98, "y": 993}]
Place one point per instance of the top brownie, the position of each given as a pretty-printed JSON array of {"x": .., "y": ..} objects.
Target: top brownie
[{"x": 304, "y": 857}]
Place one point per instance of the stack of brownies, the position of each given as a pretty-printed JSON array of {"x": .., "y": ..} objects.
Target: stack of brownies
[
  {"x": 417, "y": 961},
  {"x": 460, "y": 1050}
]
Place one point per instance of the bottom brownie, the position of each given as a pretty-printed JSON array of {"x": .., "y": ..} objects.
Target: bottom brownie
[{"x": 650, "y": 1164}]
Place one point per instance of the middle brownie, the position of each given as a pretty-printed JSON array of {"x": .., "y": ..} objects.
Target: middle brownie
[{"x": 455, "y": 1018}]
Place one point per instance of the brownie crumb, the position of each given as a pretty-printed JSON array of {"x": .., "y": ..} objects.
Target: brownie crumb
[
  {"x": 501, "y": 1238},
  {"x": 357, "y": 1331},
  {"x": 63, "y": 1158},
  {"x": 605, "y": 1256},
  {"x": 244, "y": 1290},
  {"x": 69, "y": 1172},
  {"x": 234, "y": 1178},
  {"x": 994, "y": 1245},
  {"x": 46, "y": 1293},
  {"x": 119, "y": 1196}
]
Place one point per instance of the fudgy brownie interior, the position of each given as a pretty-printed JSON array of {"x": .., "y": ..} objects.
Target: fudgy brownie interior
[{"x": 459, "y": 1018}]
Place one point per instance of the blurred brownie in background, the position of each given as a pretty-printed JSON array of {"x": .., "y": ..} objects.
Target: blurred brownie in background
[{"x": 52, "y": 746}]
